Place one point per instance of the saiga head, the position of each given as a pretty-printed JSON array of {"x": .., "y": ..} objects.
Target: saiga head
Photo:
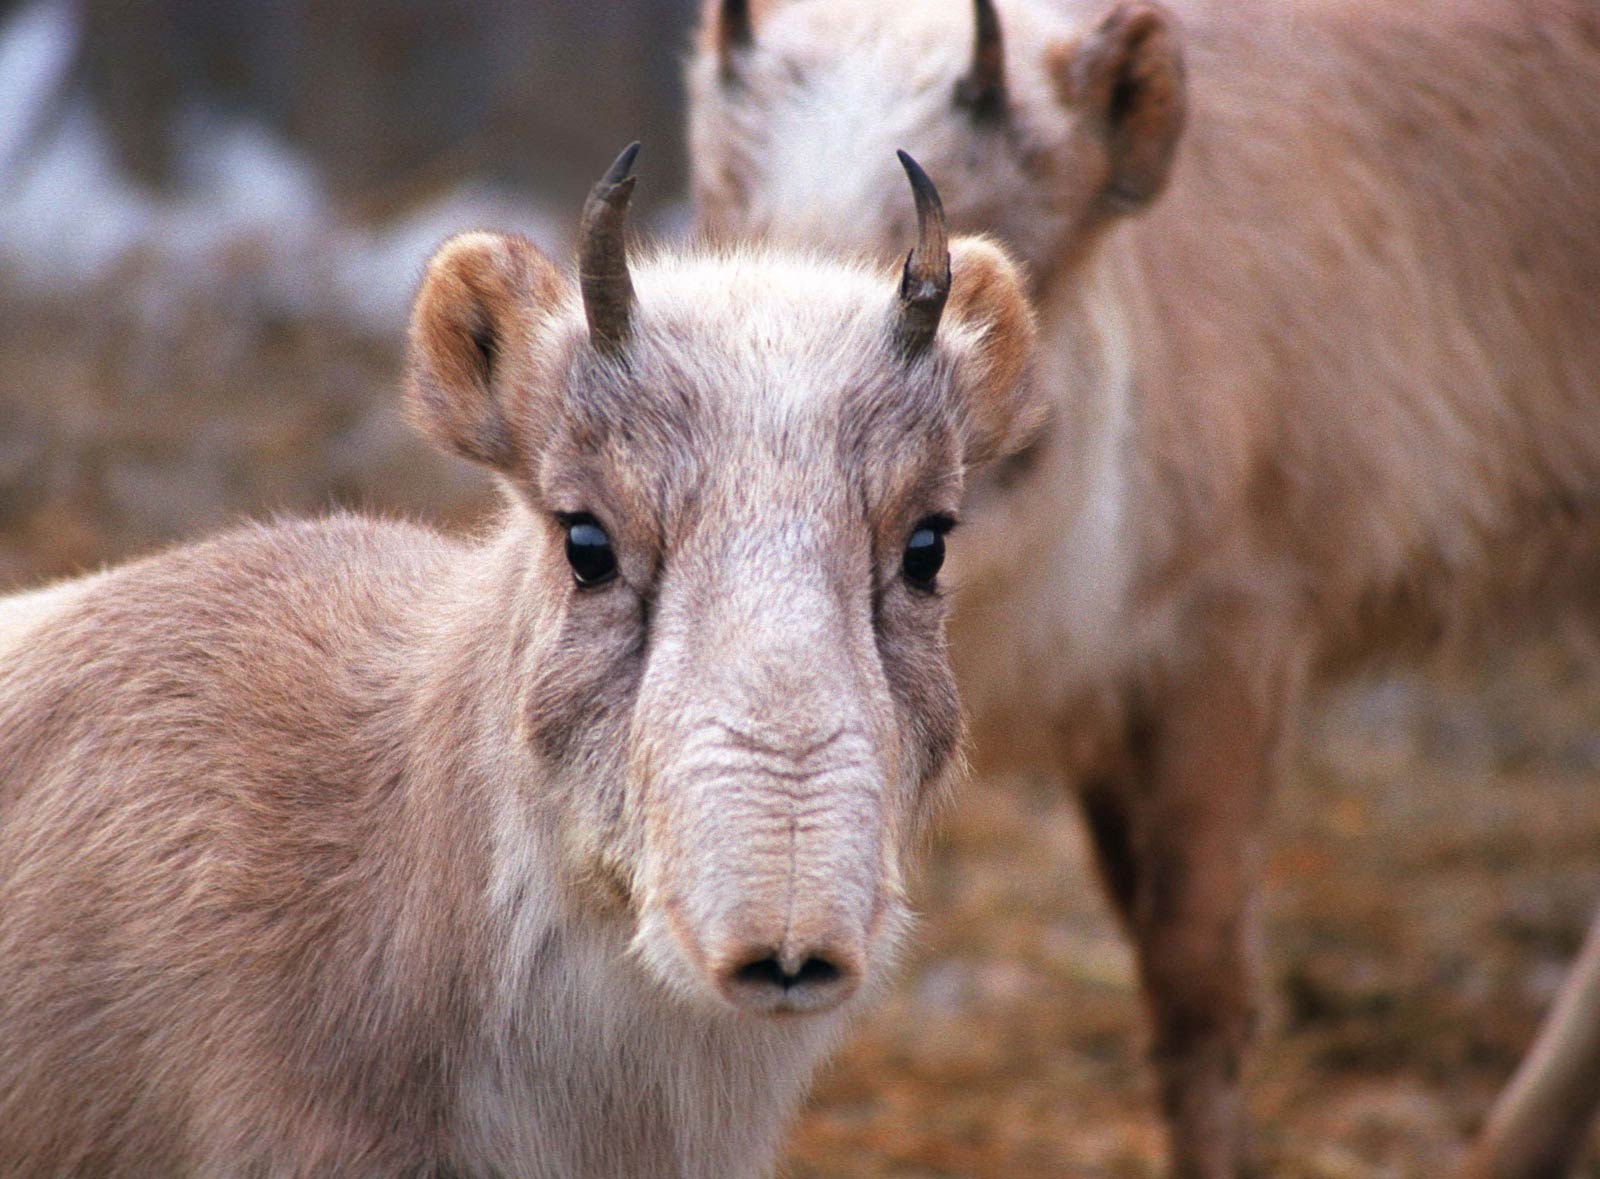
[
  {"x": 1040, "y": 125},
  {"x": 730, "y": 480}
]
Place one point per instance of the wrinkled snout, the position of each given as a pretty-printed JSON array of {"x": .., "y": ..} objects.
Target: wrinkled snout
[
  {"x": 775, "y": 799},
  {"x": 777, "y": 890}
]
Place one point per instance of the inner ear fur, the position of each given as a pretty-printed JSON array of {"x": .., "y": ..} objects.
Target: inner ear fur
[
  {"x": 471, "y": 347},
  {"x": 990, "y": 323},
  {"x": 1128, "y": 74}
]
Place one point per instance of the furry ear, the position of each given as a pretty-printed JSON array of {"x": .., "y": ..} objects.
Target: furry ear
[
  {"x": 1128, "y": 74},
  {"x": 989, "y": 325},
  {"x": 471, "y": 345}
]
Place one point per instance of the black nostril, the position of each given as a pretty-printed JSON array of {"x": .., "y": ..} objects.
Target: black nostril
[
  {"x": 770, "y": 972},
  {"x": 815, "y": 970}
]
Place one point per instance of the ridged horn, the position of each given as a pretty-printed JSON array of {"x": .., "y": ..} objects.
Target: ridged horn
[
  {"x": 603, "y": 255},
  {"x": 925, "y": 282},
  {"x": 982, "y": 90}
]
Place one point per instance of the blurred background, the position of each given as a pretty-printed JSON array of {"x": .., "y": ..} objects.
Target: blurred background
[{"x": 212, "y": 218}]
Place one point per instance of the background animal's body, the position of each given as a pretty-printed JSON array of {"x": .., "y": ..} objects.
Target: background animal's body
[
  {"x": 1343, "y": 367},
  {"x": 1332, "y": 390}
]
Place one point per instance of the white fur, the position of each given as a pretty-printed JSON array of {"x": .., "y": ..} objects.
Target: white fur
[{"x": 21, "y": 613}]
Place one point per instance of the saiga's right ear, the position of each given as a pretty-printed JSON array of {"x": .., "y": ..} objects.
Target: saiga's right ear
[{"x": 471, "y": 345}]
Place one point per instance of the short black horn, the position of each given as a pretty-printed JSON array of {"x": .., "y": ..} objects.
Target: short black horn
[
  {"x": 925, "y": 283},
  {"x": 735, "y": 31},
  {"x": 603, "y": 255},
  {"x": 983, "y": 89}
]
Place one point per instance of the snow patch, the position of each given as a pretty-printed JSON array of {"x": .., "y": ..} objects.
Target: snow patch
[{"x": 245, "y": 201}]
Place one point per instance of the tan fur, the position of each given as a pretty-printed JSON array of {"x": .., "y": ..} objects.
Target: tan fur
[
  {"x": 1335, "y": 385},
  {"x": 345, "y": 848}
]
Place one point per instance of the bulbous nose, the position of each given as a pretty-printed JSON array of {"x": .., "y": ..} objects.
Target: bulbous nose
[{"x": 768, "y": 980}]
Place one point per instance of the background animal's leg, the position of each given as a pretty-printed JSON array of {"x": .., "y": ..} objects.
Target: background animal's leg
[
  {"x": 1107, "y": 790},
  {"x": 1195, "y": 793},
  {"x": 1540, "y": 1122},
  {"x": 1105, "y": 800}
]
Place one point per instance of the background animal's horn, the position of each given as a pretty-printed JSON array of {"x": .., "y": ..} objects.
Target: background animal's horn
[
  {"x": 603, "y": 255},
  {"x": 984, "y": 86},
  {"x": 925, "y": 283},
  {"x": 734, "y": 30}
]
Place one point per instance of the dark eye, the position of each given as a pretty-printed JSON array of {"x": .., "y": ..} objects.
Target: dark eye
[
  {"x": 925, "y": 552},
  {"x": 589, "y": 551}
]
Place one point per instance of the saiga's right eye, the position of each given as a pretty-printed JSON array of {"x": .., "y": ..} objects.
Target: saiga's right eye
[
  {"x": 924, "y": 555},
  {"x": 589, "y": 551}
]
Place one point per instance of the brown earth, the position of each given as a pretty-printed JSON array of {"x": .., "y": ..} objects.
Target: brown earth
[{"x": 1435, "y": 861}]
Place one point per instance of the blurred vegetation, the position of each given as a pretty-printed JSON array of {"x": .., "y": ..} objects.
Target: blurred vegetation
[
  {"x": 182, "y": 350},
  {"x": 386, "y": 96}
]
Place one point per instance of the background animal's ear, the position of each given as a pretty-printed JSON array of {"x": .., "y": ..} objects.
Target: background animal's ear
[
  {"x": 1127, "y": 76},
  {"x": 988, "y": 323},
  {"x": 471, "y": 344}
]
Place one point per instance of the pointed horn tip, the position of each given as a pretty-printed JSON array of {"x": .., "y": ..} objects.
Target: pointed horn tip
[
  {"x": 913, "y": 170},
  {"x": 622, "y": 168},
  {"x": 615, "y": 188},
  {"x": 922, "y": 187}
]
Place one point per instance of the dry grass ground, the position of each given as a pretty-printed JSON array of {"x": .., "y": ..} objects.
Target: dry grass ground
[{"x": 1435, "y": 860}]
